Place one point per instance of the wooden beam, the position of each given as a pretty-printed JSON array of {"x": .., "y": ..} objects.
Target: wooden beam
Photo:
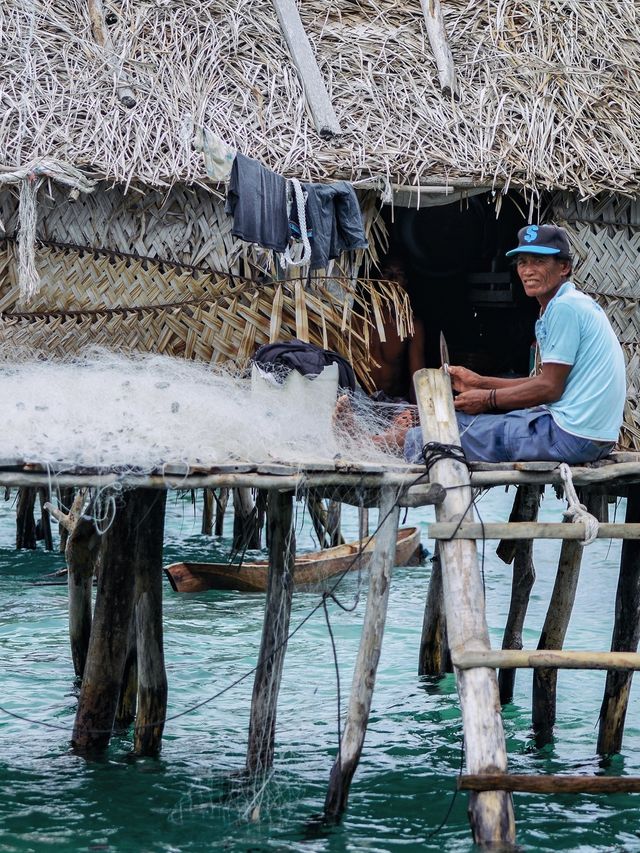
[
  {"x": 324, "y": 117},
  {"x": 546, "y": 658},
  {"x": 440, "y": 46},
  {"x": 491, "y": 813},
  {"x": 551, "y": 784},
  {"x": 529, "y": 530}
]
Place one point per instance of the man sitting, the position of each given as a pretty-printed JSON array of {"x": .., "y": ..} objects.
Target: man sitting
[{"x": 569, "y": 412}]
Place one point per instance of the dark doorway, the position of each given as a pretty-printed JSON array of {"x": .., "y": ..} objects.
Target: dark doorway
[{"x": 461, "y": 283}]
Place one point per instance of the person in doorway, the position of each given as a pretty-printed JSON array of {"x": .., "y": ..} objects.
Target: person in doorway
[
  {"x": 396, "y": 359},
  {"x": 571, "y": 411}
]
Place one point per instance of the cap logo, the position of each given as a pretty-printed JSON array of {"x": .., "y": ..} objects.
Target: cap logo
[{"x": 531, "y": 233}]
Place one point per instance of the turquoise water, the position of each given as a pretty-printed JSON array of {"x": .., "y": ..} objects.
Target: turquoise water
[{"x": 186, "y": 800}]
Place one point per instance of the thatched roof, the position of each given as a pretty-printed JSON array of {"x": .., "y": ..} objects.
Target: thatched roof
[{"x": 549, "y": 91}]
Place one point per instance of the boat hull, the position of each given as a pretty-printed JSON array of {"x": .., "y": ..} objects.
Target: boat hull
[{"x": 310, "y": 569}]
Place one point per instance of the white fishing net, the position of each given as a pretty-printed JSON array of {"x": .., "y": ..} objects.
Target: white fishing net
[{"x": 114, "y": 411}]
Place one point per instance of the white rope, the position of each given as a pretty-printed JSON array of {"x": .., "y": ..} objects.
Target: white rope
[
  {"x": 302, "y": 221},
  {"x": 576, "y": 511}
]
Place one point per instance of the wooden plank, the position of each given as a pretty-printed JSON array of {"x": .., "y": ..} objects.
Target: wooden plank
[
  {"x": 529, "y": 530},
  {"x": 546, "y": 658},
  {"x": 550, "y": 784},
  {"x": 324, "y": 117},
  {"x": 364, "y": 674},
  {"x": 491, "y": 813},
  {"x": 440, "y": 46}
]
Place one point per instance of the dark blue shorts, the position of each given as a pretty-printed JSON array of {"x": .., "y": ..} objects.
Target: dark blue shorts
[{"x": 526, "y": 435}]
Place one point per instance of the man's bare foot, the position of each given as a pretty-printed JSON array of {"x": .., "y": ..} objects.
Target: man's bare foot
[
  {"x": 392, "y": 439},
  {"x": 343, "y": 417}
]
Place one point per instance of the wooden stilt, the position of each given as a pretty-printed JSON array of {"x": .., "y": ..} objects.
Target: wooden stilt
[
  {"x": 25, "y": 521},
  {"x": 221, "y": 507},
  {"x": 275, "y": 629},
  {"x": 128, "y": 699},
  {"x": 65, "y": 502},
  {"x": 491, "y": 812},
  {"x": 318, "y": 515},
  {"x": 245, "y": 534},
  {"x": 552, "y": 637},
  {"x": 364, "y": 675},
  {"x": 520, "y": 553},
  {"x": 110, "y": 631},
  {"x": 435, "y": 658},
  {"x": 207, "y": 512},
  {"x": 363, "y": 522},
  {"x": 334, "y": 513},
  {"x": 626, "y": 634},
  {"x": 152, "y": 677},
  {"x": 45, "y": 521},
  {"x": 81, "y": 553}
]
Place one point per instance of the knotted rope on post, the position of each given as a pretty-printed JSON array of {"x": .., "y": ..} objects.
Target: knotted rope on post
[{"x": 576, "y": 511}]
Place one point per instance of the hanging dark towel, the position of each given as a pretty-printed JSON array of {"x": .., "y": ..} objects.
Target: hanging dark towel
[
  {"x": 257, "y": 198},
  {"x": 308, "y": 359},
  {"x": 334, "y": 220}
]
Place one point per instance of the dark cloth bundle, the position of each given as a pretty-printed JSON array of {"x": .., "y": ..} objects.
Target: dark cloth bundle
[{"x": 308, "y": 359}]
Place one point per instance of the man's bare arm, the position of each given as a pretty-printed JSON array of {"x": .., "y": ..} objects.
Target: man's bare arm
[{"x": 546, "y": 387}]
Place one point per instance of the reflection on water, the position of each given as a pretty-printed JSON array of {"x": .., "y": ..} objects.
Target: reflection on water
[{"x": 192, "y": 797}]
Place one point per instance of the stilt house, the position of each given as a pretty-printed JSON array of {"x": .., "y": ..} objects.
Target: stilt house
[{"x": 456, "y": 122}]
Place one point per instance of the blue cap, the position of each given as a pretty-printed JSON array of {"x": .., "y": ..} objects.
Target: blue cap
[{"x": 542, "y": 240}]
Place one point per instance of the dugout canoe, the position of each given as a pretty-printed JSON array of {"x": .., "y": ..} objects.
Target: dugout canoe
[{"x": 311, "y": 568}]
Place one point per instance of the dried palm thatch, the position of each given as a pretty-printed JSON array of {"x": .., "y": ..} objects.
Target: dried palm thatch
[
  {"x": 549, "y": 92},
  {"x": 224, "y": 320}
]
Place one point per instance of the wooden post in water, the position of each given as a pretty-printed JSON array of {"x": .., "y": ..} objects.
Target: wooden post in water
[
  {"x": 275, "y": 628},
  {"x": 318, "y": 515},
  {"x": 434, "y": 656},
  {"x": 626, "y": 634},
  {"x": 81, "y": 552},
  {"x": 25, "y": 521},
  {"x": 152, "y": 677},
  {"x": 552, "y": 636},
  {"x": 207, "y": 512},
  {"x": 334, "y": 513},
  {"x": 491, "y": 812},
  {"x": 245, "y": 531},
  {"x": 520, "y": 553},
  {"x": 221, "y": 507},
  {"x": 364, "y": 675},
  {"x": 110, "y": 631},
  {"x": 128, "y": 699},
  {"x": 45, "y": 521}
]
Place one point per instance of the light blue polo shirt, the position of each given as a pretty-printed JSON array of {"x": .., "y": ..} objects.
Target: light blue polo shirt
[{"x": 575, "y": 330}]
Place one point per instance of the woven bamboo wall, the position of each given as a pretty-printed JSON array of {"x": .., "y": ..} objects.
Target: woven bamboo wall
[{"x": 605, "y": 238}]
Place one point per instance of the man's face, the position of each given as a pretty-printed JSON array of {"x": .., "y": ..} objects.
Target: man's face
[{"x": 541, "y": 275}]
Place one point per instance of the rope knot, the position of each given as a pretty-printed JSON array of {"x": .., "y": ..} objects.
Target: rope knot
[{"x": 576, "y": 511}]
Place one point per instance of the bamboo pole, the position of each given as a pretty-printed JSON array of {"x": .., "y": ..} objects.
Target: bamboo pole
[
  {"x": 275, "y": 629},
  {"x": 434, "y": 658},
  {"x": 547, "y": 659},
  {"x": 152, "y": 677},
  {"x": 364, "y": 675},
  {"x": 551, "y": 784},
  {"x": 626, "y": 634},
  {"x": 525, "y": 508},
  {"x": 440, "y": 46},
  {"x": 81, "y": 553},
  {"x": 530, "y": 530},
  {"x": 491, "y": 813},
  {"x": 110, "y": 631}
]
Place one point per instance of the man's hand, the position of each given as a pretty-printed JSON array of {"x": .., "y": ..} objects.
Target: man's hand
[
  {"x": 472, "y": 402},
  {"x": 463, "y": 379}
]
